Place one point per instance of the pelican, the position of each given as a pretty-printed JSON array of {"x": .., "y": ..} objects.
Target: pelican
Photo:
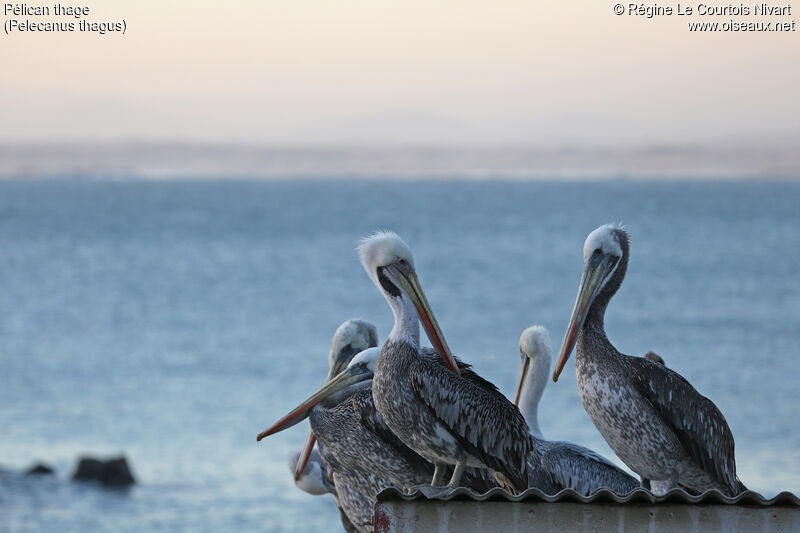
[
  {"x": 349, "y": 448},
  {"x": 656, "y": 487},
  {"x": 350, "y": 338},
  {"x": 344, "y": 418},
  {"x": 440, "y": 412},
  {"x": 652, "y": 418},
  {"x": 353, "y": 491},
  {"x": 356, "y": 498},
  {"x": 353, "y": 494},
  {"x": 554, "y": 465},
  {"x": 314, "y": 479}
]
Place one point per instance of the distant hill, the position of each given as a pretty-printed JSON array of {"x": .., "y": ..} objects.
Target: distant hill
[{"x": 777, "y": 158}]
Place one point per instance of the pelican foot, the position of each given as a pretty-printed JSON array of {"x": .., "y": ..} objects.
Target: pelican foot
[
  {"x": 438, "y": 475},
  {"x": 432, "y": 492}
]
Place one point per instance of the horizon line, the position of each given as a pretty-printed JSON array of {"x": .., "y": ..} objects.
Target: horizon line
[{"x": 207, "y": 160}]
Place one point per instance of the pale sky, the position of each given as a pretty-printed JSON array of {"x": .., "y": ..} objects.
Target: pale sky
[{"x": 412, "y": 71}]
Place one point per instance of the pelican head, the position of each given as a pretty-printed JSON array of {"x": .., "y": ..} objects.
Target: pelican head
[
  {"x": 603, "y": 252},
  {"x": 352, "y": 337},
  {"x": 536, "y": 352},
  {"x": 654, "y": 357},
  {"x": 314, "y": 479},
  {"x": 360, "y": 369},
  {"x": 390, "y": 264}
]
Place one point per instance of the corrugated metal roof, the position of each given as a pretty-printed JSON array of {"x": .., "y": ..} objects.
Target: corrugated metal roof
[{"x": 601, "y": 496}]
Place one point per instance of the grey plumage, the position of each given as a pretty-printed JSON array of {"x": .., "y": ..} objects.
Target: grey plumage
[
  {"x": 349, "y": 499},
  {"x": 367, "y": 458},
  {"x": 557, "y": 465},
  {"x": 699, "y": 425},
  {"x": 364, "y": 454},
  {"x": 350, "y": 449},
  {"x": 356, "y": 498},
  {"x": 662, "y": 487},
  {"x": 652, "y": 418},
  {"x": 441, "y": 415},
  {"x": 354, "y": 432},
  {"x": 355, "y": 493},
  {"x": 448, "y": 416}
]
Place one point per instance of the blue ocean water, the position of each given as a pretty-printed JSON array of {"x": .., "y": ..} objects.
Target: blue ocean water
[{"x": 173, "y": 321}]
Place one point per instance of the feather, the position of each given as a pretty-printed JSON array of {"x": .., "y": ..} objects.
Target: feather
[
  {"x": 575, "y": 467},
  {"x": 481, "y": 419},
  {"x": 698, "y": 423}
]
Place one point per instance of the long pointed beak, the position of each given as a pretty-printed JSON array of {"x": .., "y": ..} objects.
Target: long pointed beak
[
  {"x": 349, "y": 377},
  {"x": 525, "y": 364},
  {"x": 410, "y": 283},
  {"x": 591, "y": 282},
  {"x": 305, "y": 455},
  {"x": 338, "y": 366}
]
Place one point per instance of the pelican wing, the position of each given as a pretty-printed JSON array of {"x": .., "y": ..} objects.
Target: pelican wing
[
  {"x": 578, "y": 468},
  {"x": 480, "y": 480},
  {"x": 697, "y": 422},
  {"x": 330, "y": 460},
  {"x": 357, "y": 492},
  {"x": 371, "y": 419},
  {"x": 481, "y": 419}
]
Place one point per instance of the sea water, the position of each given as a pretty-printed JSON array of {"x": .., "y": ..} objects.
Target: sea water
[{"x": 174, "y": 321}]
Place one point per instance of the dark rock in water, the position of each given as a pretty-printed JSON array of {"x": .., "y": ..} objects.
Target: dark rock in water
[
  {"x": 110, "y": 473},
  {"x": 117, "y": 473},
  {"x": 40, "y": 469},
  {"x": 89, "y": 469}
]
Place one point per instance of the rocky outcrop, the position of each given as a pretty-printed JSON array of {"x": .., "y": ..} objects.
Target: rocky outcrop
[
  {"x": 40, "y": 469},
  {"x": 110, "y": 473}
]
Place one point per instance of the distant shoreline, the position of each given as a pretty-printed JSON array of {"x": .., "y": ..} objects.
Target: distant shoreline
[{"x": 176, "y": 161}]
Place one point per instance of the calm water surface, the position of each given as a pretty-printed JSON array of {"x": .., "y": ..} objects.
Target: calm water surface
[{"x": 174, "y": 321}]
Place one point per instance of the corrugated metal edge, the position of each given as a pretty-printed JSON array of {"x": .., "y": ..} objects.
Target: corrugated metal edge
[{"x": 640, "y": 495}]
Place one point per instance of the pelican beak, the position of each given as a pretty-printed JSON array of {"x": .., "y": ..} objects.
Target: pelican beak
[
  {"x": 351, "y": 376},
  {"x": 409, "y": 282},
  {"x": 525, "y": 364},
  {"x": 305, "y": 455},
  {"x": 340, "y": 363},
  {"x": 591, "y": 283},
  {"x": 329, "y": 484}
]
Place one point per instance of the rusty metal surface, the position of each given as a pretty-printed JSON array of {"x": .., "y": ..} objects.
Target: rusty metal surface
[
  {"x": 400, "y": 516},
  {"x": 464, "y": 510},
  {"x": 675, "y": 496}
]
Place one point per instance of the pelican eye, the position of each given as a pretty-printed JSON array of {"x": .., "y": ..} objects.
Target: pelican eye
[
  {"x": 596, "y": 252},
  {"x": 387, "y": 284}
]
